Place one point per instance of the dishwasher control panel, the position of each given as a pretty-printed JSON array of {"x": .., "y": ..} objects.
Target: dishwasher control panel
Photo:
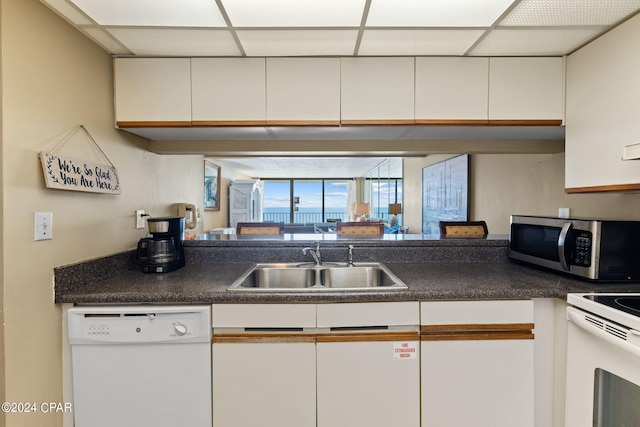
[{"x": 148, "y": 324}]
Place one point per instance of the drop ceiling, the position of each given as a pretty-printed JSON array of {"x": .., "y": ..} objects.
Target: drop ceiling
[{"x": 249, "y": 28}]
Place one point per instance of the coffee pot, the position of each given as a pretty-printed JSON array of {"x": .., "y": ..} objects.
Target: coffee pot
[{"x": 163, "y": 251}]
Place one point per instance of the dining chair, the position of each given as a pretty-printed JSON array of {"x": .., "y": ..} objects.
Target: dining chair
[
  {"x": 463, "y": 229},
  {"x": 260, "y": 228},
  {"x": 360, "y": 228}
]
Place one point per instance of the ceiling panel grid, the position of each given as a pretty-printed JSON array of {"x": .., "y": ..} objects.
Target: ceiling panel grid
[{"x": 228, "y": 28}]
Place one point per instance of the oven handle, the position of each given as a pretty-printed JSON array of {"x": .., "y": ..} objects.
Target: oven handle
[{"x": 577, "y": 317}]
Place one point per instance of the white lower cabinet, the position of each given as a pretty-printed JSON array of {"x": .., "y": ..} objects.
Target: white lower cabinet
[
  {"x": 264, "y": 384},
  {"x": 355, "y": 365},
  {"x": 368, "y": 384},
  {"x": 469, "y": 363},
  {"x": 368, "y": 364},
  {"x": 477, "y": 361}
]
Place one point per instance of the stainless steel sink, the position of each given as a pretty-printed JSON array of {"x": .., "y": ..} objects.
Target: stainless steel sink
[
  {"x": 280, "y": 276},
  {"x": 356, "y": 277},
  {"x": 305, "y": 277}
]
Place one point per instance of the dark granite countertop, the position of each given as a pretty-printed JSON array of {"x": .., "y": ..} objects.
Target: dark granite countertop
[{"x": 432, "y": 269}]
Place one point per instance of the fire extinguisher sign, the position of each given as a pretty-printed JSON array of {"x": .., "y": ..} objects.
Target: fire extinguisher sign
[{"x": 405, "y": 350}]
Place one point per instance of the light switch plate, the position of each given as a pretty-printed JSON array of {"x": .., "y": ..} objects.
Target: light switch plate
[{"x": 43, "y": 226}]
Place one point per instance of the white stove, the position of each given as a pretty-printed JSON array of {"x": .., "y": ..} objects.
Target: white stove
[
  {"x": 621, "y": 308},
  {"x": 603, "y": 360}
]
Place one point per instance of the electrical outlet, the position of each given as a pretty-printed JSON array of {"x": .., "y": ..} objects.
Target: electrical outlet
[
  {"x": 140, "y": 218},
  {"x": 43, "y": 226},
  {"x": 564, "y": 212}
]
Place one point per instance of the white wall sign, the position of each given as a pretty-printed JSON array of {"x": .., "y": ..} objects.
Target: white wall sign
[
  {"x": 405, "y": 350},
  {"x": 67, "y": 173}
]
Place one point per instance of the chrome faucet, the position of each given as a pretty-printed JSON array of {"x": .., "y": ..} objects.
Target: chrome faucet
[
  {"x": 317, "y": 257},
  {"x": 350, "y": 260}
]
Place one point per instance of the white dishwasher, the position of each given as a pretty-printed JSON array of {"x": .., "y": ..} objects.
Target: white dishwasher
[{"x": 136, "y": 366}]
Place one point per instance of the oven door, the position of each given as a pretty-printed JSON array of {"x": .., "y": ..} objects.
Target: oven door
[{"x": 603, "y": 372}]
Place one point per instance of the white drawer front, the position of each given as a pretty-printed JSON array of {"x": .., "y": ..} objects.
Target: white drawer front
[
  {"x": 263, "y": 315},
  {"x": 368, "y": 314},
  {"x": 476, "y": 312}
]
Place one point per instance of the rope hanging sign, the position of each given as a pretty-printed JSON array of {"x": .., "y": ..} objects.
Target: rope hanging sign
[{"x": 68, "y": 173}]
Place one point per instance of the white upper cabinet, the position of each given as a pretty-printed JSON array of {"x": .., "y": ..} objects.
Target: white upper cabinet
[
  {"x": 449, "y": 89},
  {"x": 526, "y": 88},
  {"x": 152, "y": 89},
  {"x": 377, "y": 89},
  {"x": 228, "y": 90},
  {"x": 603, "y": 93},
  {"x": 304, "y": 90}
]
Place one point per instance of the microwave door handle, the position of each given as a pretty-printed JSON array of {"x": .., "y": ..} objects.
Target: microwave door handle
[{"x": 562, "y": 241}]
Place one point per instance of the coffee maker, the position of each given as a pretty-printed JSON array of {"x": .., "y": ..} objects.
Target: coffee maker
[{"x": 163, "y": 252}]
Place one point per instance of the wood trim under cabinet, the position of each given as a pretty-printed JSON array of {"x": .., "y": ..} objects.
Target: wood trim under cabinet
[
  {"x": 477, "y": 327},
  {"x": 298, "y": 123},
  {"x": 448, "y": 122},
  {"x": 544, "y": 122},
  {"x": 239, "y": 338},
  {"x": 368, "y": 337},
  {"x": 617, "y": 188},
  {"x": 377, "y": 122},
  {"x": 153, "y": 124},
  {"x": 302, "y": 123},
  {"x": 228, "y": 123},
  {"x": 477, "y": 336},
  {"x": 262, "y": 338},
  {"x": 477, "y": 332}
]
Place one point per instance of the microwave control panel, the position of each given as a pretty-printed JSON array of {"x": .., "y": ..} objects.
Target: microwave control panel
[{"x": 582, "y": 248}]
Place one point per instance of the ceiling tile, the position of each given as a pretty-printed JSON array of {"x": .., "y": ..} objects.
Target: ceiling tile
[
  {"x": 417, "y": 42},
  {"x": 569, "y": 12},
  {"x": 297, "y": 42},
  {"x": 294, "y": 13},
  {"x": 177, "y": 42},
  {"x": 435, "y": 13},
  {"x": 169, "y": 13},
  {"x": 106, "y": 41},
  {"x": 543, "y": 42}
]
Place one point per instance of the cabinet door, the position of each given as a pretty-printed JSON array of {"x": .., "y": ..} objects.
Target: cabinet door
[
  {"x": 377, "y": 90},
  {"x": 304, "y": 91},
  {"x": 228, "y": 91},
  {"x": 477, "y": 363},
  {"x": 153, "y": 90},
  {"x": 452, "y": 89},
  {"x": 526, "y": 88},
  {"x": 368, "y": 384},
  {"x": 264, "y": 384},
  {"x": 602, "y": 112},
  {"x": 484, "y": 383}
]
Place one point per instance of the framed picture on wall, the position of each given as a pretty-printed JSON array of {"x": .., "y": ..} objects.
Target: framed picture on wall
[
  {"x": 211, "y": 186},
  {"x": 445, "y": 193}
]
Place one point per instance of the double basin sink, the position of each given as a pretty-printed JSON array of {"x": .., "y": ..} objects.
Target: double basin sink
[{"x": 310, "y": 277}]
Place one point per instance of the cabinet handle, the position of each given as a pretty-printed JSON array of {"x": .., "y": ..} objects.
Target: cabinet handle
[
  {"x": 368, "y": 337},
  {"x": 475, "y": 332}
]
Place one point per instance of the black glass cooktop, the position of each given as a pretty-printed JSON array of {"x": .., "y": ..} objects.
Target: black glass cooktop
[{"x": 627, "y": 303}]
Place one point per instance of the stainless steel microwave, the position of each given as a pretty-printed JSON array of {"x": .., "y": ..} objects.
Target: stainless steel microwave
[{"x": 595, "y": 249}]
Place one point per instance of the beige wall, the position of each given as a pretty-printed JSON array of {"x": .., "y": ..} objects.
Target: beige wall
[
  {"x": 54, "y": 79},
  {"x": 505, "y": 184}
]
